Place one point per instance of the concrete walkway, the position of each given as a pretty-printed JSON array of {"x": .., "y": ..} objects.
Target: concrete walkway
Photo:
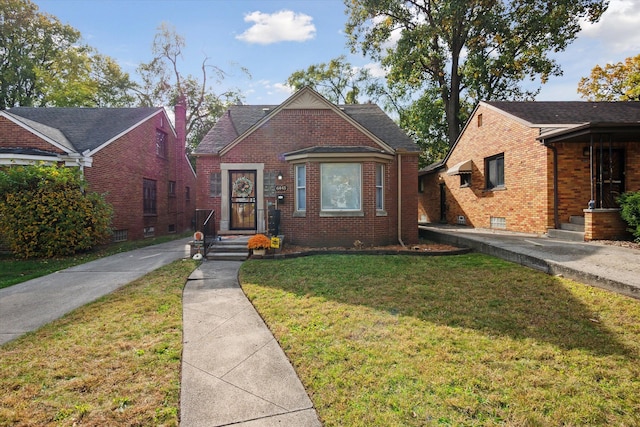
[
  {"x": 233, "y": 370},
  {"x": 610, "y": 267}
]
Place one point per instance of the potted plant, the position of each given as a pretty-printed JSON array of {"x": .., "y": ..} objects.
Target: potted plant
[{"x": 259, "y": 244}]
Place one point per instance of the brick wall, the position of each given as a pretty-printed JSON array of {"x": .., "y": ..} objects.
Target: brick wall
[
  {"x": 119, "y": 169},
  {"x": 524, "y": 203},
  {"x": 604, "y": 224},
  {"x": 292, "y": 130},
  {"x": 15, "y": 136}
]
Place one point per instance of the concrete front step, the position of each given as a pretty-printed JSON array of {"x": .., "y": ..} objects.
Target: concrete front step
[
  {"x": 573, "y": 236},
  {"x": 227, "y": 256},
  {"x": 229, "y": 249},
  {"x": 572, "y": 227},
  {"x": 575, "y": 219}
]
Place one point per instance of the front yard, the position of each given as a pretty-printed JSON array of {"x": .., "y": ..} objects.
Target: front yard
[{"x": 461, "y": 340}]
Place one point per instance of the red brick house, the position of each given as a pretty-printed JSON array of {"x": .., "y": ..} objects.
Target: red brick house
[
  {"x": 335, "y": 174},
  {"x": 538, "y": 167},
  {"x": 135, "y": 156}
]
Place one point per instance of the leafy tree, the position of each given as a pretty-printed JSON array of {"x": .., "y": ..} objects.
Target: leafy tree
[
  {"x": 614, "y": 82},
  {"x": 466, "y": 50},
  {"x": 46, "y": 211},
  {"x": 43, "y": 63},
  {"x": 338, "y": 80},
  {"x": 164, "y": 84}
]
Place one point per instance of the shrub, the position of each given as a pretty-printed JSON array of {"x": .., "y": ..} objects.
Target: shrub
[
  {"x": 259, "y": 241},
  {"x": 630, "y": 213},
  {"x": 45, "y": 211}
]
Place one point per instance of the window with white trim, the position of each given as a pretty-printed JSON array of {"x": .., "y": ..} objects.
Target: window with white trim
[
  {"x": 379, "y": 186},
  {"x": 341, "y": 187},
  {"x": 301, "y": 188}
]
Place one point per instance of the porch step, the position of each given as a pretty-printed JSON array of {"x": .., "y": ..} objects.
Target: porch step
[
  {"x": 561, "y": 234},
  {"x": 572, "y": 227},
  {"x": 229, "y": 248},
  {"x": 575, "y": 219}
]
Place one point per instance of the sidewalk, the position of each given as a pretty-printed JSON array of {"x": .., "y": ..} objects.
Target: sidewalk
[
  {"x": 233, "y": 370},
  {"x": 29, "y": 305},
  {"x": 610, "y": 267}
]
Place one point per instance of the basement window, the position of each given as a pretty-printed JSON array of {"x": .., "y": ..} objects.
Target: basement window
[
  {"x": 120, "y": 235},
  {"x": 498, "y": 222},
  {"x": 149, "y": 231}
]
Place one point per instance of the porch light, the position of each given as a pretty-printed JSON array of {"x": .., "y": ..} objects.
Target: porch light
[{"x": 279, "y": 176}]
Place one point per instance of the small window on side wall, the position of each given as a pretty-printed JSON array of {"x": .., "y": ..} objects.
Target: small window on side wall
[
  {"x": 494, "y": 172},
  {"x": 215, "y": 184},
  {"x": 465, "y": 180}
]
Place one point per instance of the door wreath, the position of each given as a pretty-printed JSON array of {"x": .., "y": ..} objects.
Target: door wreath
[{"x": 242, "y": 187}]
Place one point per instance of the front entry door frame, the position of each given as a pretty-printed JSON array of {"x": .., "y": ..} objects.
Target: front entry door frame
[
  {"x": 243, "y": 191},
  {"x": 225, "y": 207}
]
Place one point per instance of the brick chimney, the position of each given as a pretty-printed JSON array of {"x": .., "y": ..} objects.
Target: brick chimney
[{"x": 180, "y": 111}]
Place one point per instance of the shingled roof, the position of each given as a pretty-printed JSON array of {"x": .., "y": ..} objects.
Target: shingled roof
[
  {"x": 81, "y": 129},
  {"x": 548, "y": 113},
  {"x": 240, "y": 118}
]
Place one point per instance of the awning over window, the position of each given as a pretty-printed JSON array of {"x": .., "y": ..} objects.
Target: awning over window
[{"x": 460, "y": 168}]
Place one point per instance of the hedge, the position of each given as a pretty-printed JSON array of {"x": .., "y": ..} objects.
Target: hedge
[{"x": 47, "y": 211}]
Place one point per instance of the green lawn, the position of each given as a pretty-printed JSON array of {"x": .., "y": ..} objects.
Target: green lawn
[
  {"x": 114, "y": 362},
  {"x": 461, "y": 340},
  {"x": 14, "y": 270}
]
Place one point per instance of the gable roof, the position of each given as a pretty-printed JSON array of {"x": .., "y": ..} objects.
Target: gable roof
[
  {"x": 240, "y": 120},
  {"x": 565, "y": 113},
  {"x": 80, "y": 129},
  {"x": 557, "y": 118}
]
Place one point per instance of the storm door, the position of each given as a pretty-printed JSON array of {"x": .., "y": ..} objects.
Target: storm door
[
  {"x": 243, "y": 200},
  {"x": 609, "y": 177}
]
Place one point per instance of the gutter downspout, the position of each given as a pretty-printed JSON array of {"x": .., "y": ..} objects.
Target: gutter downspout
[{"x": 400, "y": 200}]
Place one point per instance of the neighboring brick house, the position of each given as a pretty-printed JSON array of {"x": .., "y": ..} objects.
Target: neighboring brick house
[
  {"x": 336, "y": 174},
  {"x": 535, "y": 166},
  {"x": 135, "y": 156}
]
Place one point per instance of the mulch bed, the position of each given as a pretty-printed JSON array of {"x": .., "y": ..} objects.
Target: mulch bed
[{"x": 422, "y": 249}]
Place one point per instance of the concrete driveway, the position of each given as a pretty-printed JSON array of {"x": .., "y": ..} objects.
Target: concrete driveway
[{"x": 27, "y": 306}]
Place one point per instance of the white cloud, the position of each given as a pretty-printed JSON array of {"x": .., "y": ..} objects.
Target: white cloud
[
  {"x": 617, "y": 28},
  {"x": 282, "y": 88},
  {"x": 375, "y": 70},
  {"x": 284, "y": 25}
]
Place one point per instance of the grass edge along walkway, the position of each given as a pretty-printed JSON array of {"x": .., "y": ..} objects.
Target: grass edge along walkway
[
  {"x": 115, "y": 361},
  {"x": 461, "y": 340}
]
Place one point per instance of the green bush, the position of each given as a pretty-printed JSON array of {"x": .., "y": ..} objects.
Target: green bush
[
  {"x": 630, "y": 204},
  {"x": 45, "y": 211}
]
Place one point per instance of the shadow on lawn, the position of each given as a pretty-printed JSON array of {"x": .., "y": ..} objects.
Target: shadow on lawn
[{"x": 473, "y": 291}]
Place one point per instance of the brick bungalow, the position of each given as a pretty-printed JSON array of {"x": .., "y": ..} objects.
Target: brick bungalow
[
  {"x": 332, "y": 174},
  {"x": 538, "y": 167},
  {"x": 133, "y": 155}
]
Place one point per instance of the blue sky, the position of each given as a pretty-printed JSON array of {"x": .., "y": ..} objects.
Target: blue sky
[{"x": 272, "y": 39}]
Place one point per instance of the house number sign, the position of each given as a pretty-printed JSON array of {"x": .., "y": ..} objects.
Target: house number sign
[{"x": 281, "y": 188}]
